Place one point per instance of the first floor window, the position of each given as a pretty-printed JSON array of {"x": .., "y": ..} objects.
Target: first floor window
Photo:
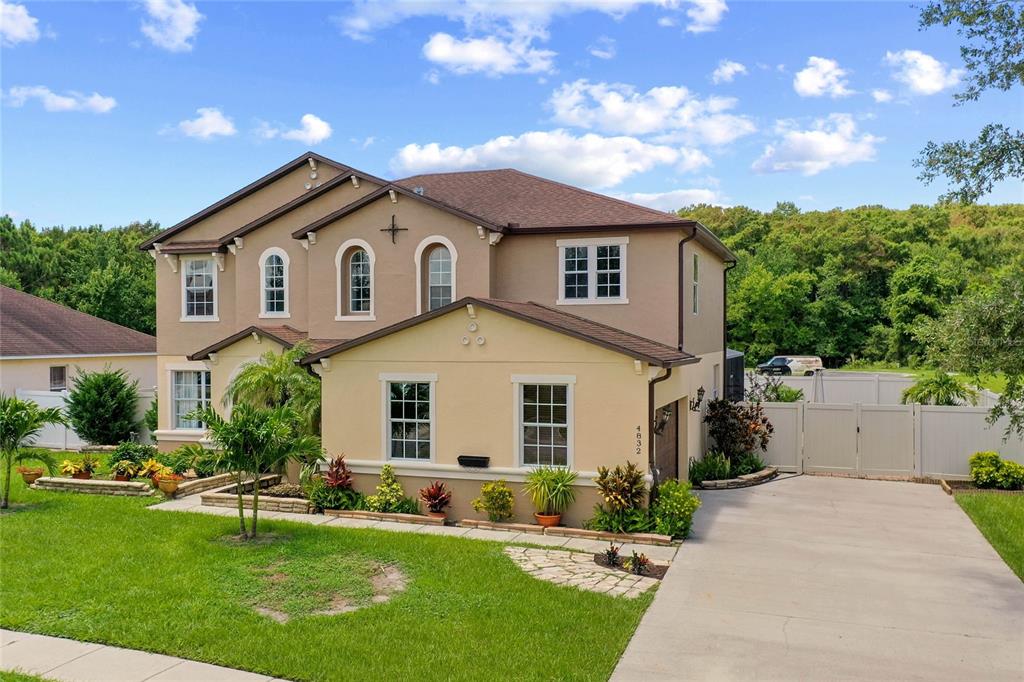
[
  {"x": 59, "y": 378},
  {"x": 199, "y": 288},
  {"x": 190, "y": 391},
  {"x": 544, "y": 429},
  {"x": 409, "y": 419}
]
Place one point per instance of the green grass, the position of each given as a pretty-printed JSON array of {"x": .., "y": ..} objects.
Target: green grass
[
  {"x": 108, "y": 570},
  {"x": 1000, "y": 518},
  {"x": 20, "y": 677}
]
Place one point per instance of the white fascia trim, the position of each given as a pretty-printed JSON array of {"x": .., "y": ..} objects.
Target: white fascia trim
[
  {"x": 593, "y": 241},
  {"x": 286, "y": 261},
  {"x": 69, "y": 357},
  {"x": 339, "y": 258},
  {"x": 454, "y": 471},
  {"x": 418, "y": 260}
]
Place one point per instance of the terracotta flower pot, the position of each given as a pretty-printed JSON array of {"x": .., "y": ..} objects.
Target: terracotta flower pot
[
  {"x": 121, "y": 477},
  {"x": 547, "y": 521},
  {"x": 168, "y": 486},
  {"x": 30, "y": 475},
  {"x": 82, "y": 475},
  {"x": 437, "y": 515}
]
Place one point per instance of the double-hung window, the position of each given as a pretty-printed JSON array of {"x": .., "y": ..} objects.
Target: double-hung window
[
  {"x": 592, "y": 270},
  {"x": 199, "y": 289},
  {"x": 190, "y": 391},
  {"x": 409, "y": 405},
  {"x": 58, "y": 378},
  {"x": 545, "y": 422}
]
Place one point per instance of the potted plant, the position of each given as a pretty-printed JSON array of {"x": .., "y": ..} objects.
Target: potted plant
[
  {"x": 74, "y": 469},
  {"x": 30, "y": 474},
  {"x": 436, "y": 496},
  {"x": 125, "y": 470},
  {"x": 168, "y": 481},
  {"x": 551, "y": 491},
  {"x": 150, "y": 468}
]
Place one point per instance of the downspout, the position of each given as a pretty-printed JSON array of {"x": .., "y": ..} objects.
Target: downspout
[
  {"x": 650, "y": 431},
  {"x": 725, "y": 328},
  {"x": 682, "y": 283}
]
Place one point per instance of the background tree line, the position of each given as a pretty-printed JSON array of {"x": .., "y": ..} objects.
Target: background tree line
[{"x": 857, "y": 283}]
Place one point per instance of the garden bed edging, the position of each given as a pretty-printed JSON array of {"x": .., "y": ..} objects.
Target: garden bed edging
[
  {"x": 93, "y": 486},
  {"x": 745, "y": 481}
]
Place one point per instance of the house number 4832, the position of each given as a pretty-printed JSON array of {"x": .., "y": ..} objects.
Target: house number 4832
[{"x": 639, "y": 442}]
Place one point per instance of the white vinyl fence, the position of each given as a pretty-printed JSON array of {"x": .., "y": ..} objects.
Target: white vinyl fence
[
  {"x": 868, "y": 389},
  {"x": 923, "y": 441},
  {"x": 58, "y": 437}
]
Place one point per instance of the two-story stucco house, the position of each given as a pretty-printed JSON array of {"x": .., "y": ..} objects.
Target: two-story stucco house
[{"x": 487, "y": 313}]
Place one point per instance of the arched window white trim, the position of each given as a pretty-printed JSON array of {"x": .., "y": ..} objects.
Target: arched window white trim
[
  {"x": 341, "y": 268},
  {"x": 418, "y": 258},
  {"x": 281, "y": 307}
]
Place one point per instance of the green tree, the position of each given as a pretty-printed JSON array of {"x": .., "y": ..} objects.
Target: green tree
[
  {"x": 254, "y": 441},
  {"x": 21, "y": 421},
  {"x": 769, "y": 312},
  {"x": 919, "y": 290},
  {"x": 101, "y": 406},
  {"x": 994, "y": 56},
  {"x": 276, "y": 380}
]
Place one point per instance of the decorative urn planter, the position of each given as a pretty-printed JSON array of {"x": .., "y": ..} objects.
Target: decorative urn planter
[
  {"x": 547, "y": 521},
  {"x": 30, "y": 475},
  {"x": 167, "y": 486}
]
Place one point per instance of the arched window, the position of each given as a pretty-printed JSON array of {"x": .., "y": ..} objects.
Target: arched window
[
  {"x": 274, "y": 291},
  {"x": 355, "y": 262},
  {"x": 359, "y": 294},
  {"x": 439, "y": 277}
]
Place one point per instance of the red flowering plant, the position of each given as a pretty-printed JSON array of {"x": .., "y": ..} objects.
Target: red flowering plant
[
  {"x": 436, "y": 496},
  {"x": 338, "y": 475}
]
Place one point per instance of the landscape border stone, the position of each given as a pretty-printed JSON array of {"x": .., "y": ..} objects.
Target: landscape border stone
[
  {"x": 383, "y": 516},
  {"x": 93, "y": 486},
  {"x": 567, "y": 532},
  {"x": 193, "y": 486},
  {"x": 744, "y": 481}
]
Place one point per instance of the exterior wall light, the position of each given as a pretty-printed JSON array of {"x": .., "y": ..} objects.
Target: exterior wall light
[{"x": 695, "y": 404}]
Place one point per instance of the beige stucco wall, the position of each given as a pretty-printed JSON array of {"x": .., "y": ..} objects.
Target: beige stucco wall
[
  {"x": 33, "y": 374},
  {"x": 177, "y": 337},
  {"x": 702, "y": 333}
]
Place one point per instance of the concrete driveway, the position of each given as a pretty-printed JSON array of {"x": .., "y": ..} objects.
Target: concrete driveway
[{"x": 814, "y": 578}]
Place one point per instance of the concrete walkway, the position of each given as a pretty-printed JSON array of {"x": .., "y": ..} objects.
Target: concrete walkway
[
  {"x": 55, "y": 658},
  {"x": 192, "y": 503},
  {"x": 814, "y": 578}
]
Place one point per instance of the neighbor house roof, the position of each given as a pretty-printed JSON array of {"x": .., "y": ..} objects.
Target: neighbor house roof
[
  {"x": 32, "y": 326},
  {"x": 620, "y": 341},
  {"x": 284, "y": 334}
]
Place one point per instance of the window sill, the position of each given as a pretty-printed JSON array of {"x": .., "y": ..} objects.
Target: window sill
[
  {"x": 266, "y": 316},
  {"x": 355, "y": 318},
  {"x": 592, "y": 301},
  {"x": 171, "y": 434},
  {"x": 199, "y": 319}
]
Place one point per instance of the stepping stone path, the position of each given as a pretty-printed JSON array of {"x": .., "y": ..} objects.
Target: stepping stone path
[{"x": 578, "y": 569}]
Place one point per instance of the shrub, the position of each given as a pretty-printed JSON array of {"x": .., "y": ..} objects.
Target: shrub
[
  {"x": 180, "y": 460},
  {"x": 436, "y": 496},
  {"x": 939, "y": 388},
  {"x": 714, "y": 467},
  {"x": 150, "y": 418},
  {"x": 621, "y": 488},
  {"x": 206, "y": 464},
  {"x": 322, "y": 496},
  {"x": 768, "y": 389},
  {"x": 131, "y": 451},
  {"x": 551, "y": 489},
  {"x": 737, "y": 429},
  {"x": 338, "y": 474},
  {"x": 390, "y": 497},
  {"x": 985, "y": 468},
  {"x": 496, "y": 500},
  {"x": 611, "y": 555},
  {"x": 150, "y": 468},
  {"x": 638, "y": 564},
  {"x": 674, "y": 508},
  {"x": 1010, "y": 476},
  {"x": 125, "y": 467},
  {"x": 747, "y": 463},
  {"x": 636, "y": 520},
  {"x": 101, "y": 406}
]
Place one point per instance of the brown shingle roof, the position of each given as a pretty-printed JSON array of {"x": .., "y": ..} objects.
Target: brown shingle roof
[
  {"x": 620, "y": 341},
  {"x": 34, "y": 326},
  {"x": 511, "y": 198},
  {"x": 284, "y": 334}
]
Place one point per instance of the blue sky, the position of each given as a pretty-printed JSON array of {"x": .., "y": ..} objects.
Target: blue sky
[{"x": 114, "y": 112}]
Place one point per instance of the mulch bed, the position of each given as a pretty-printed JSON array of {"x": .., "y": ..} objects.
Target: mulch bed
[
  {"x": 969, "y": 487},
  {"x": 656, "y": 571}
]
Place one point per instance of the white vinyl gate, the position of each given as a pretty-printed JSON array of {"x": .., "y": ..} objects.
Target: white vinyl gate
[{"x": 883, "y": 440}]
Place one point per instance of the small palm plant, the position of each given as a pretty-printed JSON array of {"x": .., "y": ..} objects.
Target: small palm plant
[
  {"x": 21, "y": 421},
  {"x": 277, "y": 380},
  {"x": 551, "y": 491},
  {"x": 940, "y": 388}
]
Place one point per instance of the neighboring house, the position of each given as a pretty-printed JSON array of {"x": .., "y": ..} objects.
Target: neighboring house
[
  {"x": 43, "y": 345},
  {"x": 488, "y": 313}
]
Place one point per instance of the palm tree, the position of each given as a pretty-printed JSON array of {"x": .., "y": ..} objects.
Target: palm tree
[
  {"x": 277, "y": 380},
  {"x": 939, "y": 388},
  {"x": 20, "y": 423},
  {"x": 254, "y": 441}
]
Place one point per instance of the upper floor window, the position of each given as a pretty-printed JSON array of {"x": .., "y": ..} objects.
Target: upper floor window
[
  {"x": 274, "y": 280},
  {"x": 436, "y": 260},
  {"x": 199, "y": 289},
  {"x": 355, "y": 263},
  {"x": 592, "y": 270},
  {"x": 696, "y": 282}
]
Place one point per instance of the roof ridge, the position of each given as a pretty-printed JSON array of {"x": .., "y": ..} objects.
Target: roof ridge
[{"x": 7, "y": 290}]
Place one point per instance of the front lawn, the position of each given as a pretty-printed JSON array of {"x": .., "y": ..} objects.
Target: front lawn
[
  {"x": 1000, "y": 518},
  {"x": 108, "y": 570}
]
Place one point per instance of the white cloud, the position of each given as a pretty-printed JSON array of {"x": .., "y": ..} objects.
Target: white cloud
[
  {"x": 364, "y": 143},
  {"x": 174, "y": 24},
  {"x": 673, "y": 200},
  {"x": 70, "y": 101},
  {"x": 619, "y": 108},
  {"x": 821, "y": 77},
  {"x": 492, "y": 56},
  {"x": 209, "y": 123},
  {"x": 705, "y": 15},
  {"x": 603, "y": 48},
  {"x": 667, "y": 22},
  {"x": 880, "y": 95},
  {"x": 922, "y": 73},
  {"x": 833, "y": 141},
  {"x": 589, "y": 160},
  {"x": 17, "y": 25},
  {"x": 313, "y": 130},
  {"x": 727, "y": 71}
]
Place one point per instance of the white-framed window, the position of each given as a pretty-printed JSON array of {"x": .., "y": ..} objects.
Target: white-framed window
[
  {"x": 198, "y": 289},
  {"x": 59, "y": 378},
  {"x": 544, "y": 420},
  {"x": 592, "y": 270},
  {"x": 274, "y": 283},
  {"x": 436, "y": 273},
  {"x": 696, "y": 283},
  {"x": 409, "y": 408},
  {"x": 355, "y": 262},
  {"x": 190, "y": 390}
]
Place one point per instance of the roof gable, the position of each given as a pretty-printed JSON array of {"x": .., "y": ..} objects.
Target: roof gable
[
  {"x": 285, "y": 335},
  {"x": 32, "y": 326}
]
